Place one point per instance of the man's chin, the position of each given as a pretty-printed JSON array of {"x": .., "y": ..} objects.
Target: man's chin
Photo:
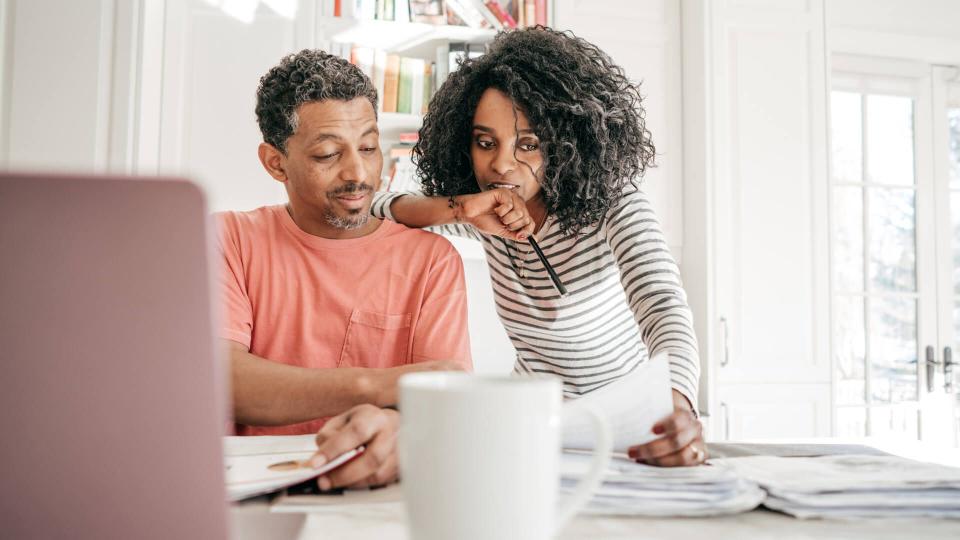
[{"x": 352, "y": 220}]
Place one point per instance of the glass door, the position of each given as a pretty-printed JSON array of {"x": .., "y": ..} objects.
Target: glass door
[
  {"x": 882, "y": 255},
  {"x": 945, "y": 375}
]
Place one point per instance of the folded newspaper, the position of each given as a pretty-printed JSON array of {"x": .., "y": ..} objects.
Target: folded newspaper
[{"x": 852, "y": 486}]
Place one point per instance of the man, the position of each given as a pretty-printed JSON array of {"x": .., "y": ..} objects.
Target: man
[{"x": 327, "y": 307}]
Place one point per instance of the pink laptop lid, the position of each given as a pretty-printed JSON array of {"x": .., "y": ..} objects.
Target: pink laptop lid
[{"x": 112, "y": 404}]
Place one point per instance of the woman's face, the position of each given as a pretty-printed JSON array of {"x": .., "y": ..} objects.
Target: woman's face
[{"x": 504, "y": 150}]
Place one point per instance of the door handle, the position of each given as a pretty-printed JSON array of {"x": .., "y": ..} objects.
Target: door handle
[
  {"x": 931, "y": 367},
  {"x": 948, "y": 364},
  {"x": 726, "y": 421},
  {"x": 726, "y": 343}
]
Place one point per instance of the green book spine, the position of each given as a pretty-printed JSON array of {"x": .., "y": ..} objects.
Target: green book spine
[{"x": 405, "y": 93}]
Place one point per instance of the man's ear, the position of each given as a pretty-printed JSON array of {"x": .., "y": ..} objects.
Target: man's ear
[{"x": 273, "y": 161}]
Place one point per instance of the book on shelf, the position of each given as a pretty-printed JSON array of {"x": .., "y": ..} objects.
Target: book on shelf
[
  {"x": 429, "y": 84},
  {"x": 391, "y": 83},
  {"x": 506, "y": 20},
  {"x": 427, "y": 11},
  {"x": 410, "y": 92},
  {"x": 363, "y": 58},
  {"x": 409, "y": 138},
  {"x": 401, "y": 11},
  {"x": 541, "y": 12},
  {"x": 488, "y": 14},
  {"x": 495, "y": 14},
  {"x": 379, "y": 74},
  {"x": 465, "y": 13}
]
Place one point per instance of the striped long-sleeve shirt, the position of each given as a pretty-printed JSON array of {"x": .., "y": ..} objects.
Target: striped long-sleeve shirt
[{"x": 625, "y": 300}]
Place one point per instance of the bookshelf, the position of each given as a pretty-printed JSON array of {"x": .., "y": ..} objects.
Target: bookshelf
[
  {"x": 399, "y": 37},
  {"x": 369, "y": 42}
]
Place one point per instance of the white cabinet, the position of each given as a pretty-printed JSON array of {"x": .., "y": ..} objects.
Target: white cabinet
[
  {"x": 760, "y": 411},
  {"x": 757, "y": 177}
]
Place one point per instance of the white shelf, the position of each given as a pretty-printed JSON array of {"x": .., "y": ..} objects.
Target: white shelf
[
  {"x": 396, "y": 36},
  {"x": 390, "y": 122}
]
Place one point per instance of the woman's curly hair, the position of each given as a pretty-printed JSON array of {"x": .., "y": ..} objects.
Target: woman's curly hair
[
  {"x": 586, "y": 113},
  {"x": 307, "y": 76}
]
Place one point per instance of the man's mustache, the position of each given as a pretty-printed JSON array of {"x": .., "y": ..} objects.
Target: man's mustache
[{"x": 357, "y": 187}]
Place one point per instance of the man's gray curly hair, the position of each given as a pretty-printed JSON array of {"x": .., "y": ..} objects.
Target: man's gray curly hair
[{"x": 307, "y": 76}]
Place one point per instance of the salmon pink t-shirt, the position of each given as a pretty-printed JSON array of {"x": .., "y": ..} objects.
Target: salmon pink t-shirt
[{"x": 393, "y": 297}]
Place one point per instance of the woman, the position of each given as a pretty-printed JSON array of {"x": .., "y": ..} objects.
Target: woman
[{"x": 545, "y": 135}]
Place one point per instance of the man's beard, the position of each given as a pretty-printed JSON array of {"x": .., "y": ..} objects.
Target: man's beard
[
  {"x": 354, "y": 220},
  {"x": 346, "y": 223}
]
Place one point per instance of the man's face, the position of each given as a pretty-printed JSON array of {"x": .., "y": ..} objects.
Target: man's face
[{"x": 333, "y": 164}]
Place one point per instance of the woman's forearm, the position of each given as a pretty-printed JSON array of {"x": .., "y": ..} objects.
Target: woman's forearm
[{"x": 419, "y": 212}]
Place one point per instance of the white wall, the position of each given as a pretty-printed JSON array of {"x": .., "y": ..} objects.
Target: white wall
[
  {"x": 643, "y": 36},
  {"x": 924, "y": 30},
  {"x": 57, "y": 82}
]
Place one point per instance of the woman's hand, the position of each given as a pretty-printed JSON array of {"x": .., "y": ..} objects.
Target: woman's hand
[
  {"x": 681, "y": 439},
  {"x": 366, "y": 425},
  {"x": 500, "y": 212}
]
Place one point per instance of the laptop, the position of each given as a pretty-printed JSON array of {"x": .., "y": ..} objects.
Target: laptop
[{"x": 112, "y": 404}]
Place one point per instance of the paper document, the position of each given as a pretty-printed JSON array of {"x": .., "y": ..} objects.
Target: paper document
[
  {"x": 632, "y": 405},
  {"x": 264, "y": 464},
  {"x": 852, "y": 486},
  {"x": 634, "y": 489}
]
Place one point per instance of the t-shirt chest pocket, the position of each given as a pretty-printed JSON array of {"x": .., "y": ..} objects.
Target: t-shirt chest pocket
[{"x": 376, "y": 340}]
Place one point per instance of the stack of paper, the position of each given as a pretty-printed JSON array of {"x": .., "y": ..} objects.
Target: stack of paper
[
  {"x": 630, "y": 488},
  {"x": 852, "y": 486}
]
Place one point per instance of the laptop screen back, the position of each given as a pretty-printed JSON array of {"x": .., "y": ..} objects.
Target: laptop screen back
[{"x": 112, "y": 404}]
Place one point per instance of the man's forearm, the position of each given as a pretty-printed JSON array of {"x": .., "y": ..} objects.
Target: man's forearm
[
  {"x": 267, "y": 393},
  {"x": 416, "y": 211}
]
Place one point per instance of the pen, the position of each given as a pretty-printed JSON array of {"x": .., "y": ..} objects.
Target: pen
[{"x": 546, "y": 264}]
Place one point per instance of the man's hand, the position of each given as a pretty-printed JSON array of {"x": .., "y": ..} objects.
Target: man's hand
[
  {"x": 500, "y": 212},
  {"x": 366, "y": 425},
  {"x": 681, "y": 442}
]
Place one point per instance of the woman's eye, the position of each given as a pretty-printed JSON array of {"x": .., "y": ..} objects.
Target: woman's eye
[
  {"x": 529, "y": 147},
  {"x": 484, "y": 143}
]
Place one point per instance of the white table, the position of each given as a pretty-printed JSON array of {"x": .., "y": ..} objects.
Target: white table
[{"x": 386, "y": 521}]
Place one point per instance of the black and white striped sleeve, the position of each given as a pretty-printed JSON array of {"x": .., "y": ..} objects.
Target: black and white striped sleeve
[
  {"x": 381, "y": 209},
  {"x": 651, "y": 281}
]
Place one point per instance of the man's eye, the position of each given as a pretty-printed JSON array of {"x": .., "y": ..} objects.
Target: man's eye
[
  {"x": 326, "y": 157},
  {"x": 368, "y": 150}
]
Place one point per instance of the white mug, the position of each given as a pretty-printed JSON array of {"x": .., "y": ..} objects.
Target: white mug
[{"x": 480, "y": 456}]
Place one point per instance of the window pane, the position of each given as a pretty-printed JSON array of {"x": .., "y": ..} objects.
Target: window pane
[
  {"x": 953, "y": 123},
  {"x": 846, "y": 137},
  {"x": 848, "y": 238},
  {"x": 955, "y": 230},
  {"x": 851, "y": 422},
  {"x": 849, "y": 350},
  {"x": 892, "y": 225},
  {"x": 890, "y": 139},
  {"x": 956, "y": 330},
  {"x": 893, "y": 349}
]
